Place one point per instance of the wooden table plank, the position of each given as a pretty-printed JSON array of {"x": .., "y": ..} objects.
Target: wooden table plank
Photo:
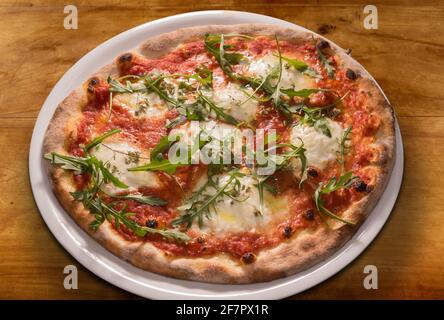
[{"x": 404, "y": 55}]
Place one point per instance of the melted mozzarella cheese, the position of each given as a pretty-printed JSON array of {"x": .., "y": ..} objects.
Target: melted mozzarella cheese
[
  {"x": 146, "y": 105},
  {"x": 115, "y": 156},
  {"x": 223, "y": 141},
  {"x": 290, "y": 78},
  {"x": 231, "y": 216},
  {"x": 236, "y": 102},
  {"x": 320, "y": 149}
]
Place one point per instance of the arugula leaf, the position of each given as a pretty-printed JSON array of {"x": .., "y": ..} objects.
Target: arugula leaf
[
  {"x": 103, "y": 211},
  {"x": 305, "y": 93},
  {"x": 215, "y": 44},
  {"x": 116, "y": 86},
  {"x": 204, "y": 76},
  {"x": 327, "y": 64},
  {"x": 154, "y": 86},
  {"x": 176, "y": 121},
  {"x": 109, "y": 177},
  {"x": 344, "y": 147},
  {"x": 67, "y": 162},
  {"x": 159, "y": 165},
  {"x": 314, "y": 117},
  {"x": 98, "y": 140},
  {"x": 220, "y": 114},
  {"x": 200, "y": 204},
  {"x": 162, "y": 146},
  {"x": 344, "y": 181},
  {"x": 302, "y": 67}
]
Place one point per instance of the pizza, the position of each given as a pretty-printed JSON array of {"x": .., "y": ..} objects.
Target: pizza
[{"x": 224, "y": 154}]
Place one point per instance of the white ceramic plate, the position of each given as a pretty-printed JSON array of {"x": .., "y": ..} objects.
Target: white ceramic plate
[{"x": 114, "y": 270}]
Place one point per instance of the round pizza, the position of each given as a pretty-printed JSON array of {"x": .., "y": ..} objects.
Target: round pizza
[{"x": 225, "y": 154}]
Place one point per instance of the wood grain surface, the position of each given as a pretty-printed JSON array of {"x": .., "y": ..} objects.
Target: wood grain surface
[{"x": 405, "y": 55}]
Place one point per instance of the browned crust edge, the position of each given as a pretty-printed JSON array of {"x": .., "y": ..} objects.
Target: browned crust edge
[{"x": 299, "y": 253}]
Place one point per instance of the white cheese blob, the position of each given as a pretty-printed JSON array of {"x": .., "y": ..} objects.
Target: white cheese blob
[
  {"x": 117, "y": 157},
  {"x": 142, "y": 105},
  {"x": 220, "y": 142},
  {"x": 320, "y": 149},
  {"x": 235, "y": 101},
  {"x": 291, "y": 78},
  {"x": 231, "y": 216}
]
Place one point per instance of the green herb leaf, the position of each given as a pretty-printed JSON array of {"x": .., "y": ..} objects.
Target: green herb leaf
[
  {"x": 220, "y": 114},
  {"x": 67, "y": 162},
  {"x": 344, "y": 181},
  {"x": 201, "y": 202},
  {"x": 327, "y": 64},
  {"x": 150, "y": 200},
  {"x": 302, "y": 67},
  {"x": 98, "y": 140},
  {"x": 162, "y": 146},
  {"x": 305, "y": 93},
  {"x": 344, "y": 147}
]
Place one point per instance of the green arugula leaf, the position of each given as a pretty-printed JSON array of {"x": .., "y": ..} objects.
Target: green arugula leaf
[
  {"x": 301, "y": 67},
  {"x": 67, "y": 162},
  {"x": 314, "y": 117},
  {"x": 150, "y": 200},
  {"x": 344, "y": 147},
  {"x": 305, "y": 93},
  {"x": 327, "y": 64},
  {"x": 201, "y": 202},
  {"x": 220, "y": 114},
  {"x": 344, "y": 181},
  {"x": 215, "y": 44},
  {"x": 98, "y": 140},
  {"x": 162, "y": 146}
]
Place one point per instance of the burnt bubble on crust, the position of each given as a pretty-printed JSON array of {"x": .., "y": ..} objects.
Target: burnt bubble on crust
[
  {"x": 92, "y": 82},
  {"x": 361, "y": 186},
  {"x": 288, "y": 231},
  {"x": 312, "y": 172},
  {"x": 248, "y": 257},
  {"x": 350, "y": 74},
  {"x": 309, "y": 214},
  {"x": 323, "y": 44},
  {"x": 126, "y": 57}
]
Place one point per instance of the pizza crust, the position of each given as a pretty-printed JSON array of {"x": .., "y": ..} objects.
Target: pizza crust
[{"x": 300, "y": 252}]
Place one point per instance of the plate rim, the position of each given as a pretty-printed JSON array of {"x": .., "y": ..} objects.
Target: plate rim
[{"x": 276, "y": 289}]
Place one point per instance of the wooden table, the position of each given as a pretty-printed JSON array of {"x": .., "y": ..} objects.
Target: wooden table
[{"x": 405, "y": 55}]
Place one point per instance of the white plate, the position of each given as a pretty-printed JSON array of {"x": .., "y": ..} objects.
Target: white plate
[{"x": 114, "y": 270}]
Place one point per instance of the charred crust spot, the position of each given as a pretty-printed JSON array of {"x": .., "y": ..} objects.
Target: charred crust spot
[
  {"x": 248, "y": 257},
  {"x": 351, "y": 74},
  {"x": 200, "y": 240},
  {"x": 288, "y": 231},
  {"x": 152, "y": 223},
  {"x": 309, "y": 214},
  {"x": 322, "y": 44},
  {"x": 312, "y": 172},
  {"x": 361, "y": 186},
  {"x": 326, "y": 28},
  {"x": 93, "y": 82},
  {"x": 126, "y": 57}
]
